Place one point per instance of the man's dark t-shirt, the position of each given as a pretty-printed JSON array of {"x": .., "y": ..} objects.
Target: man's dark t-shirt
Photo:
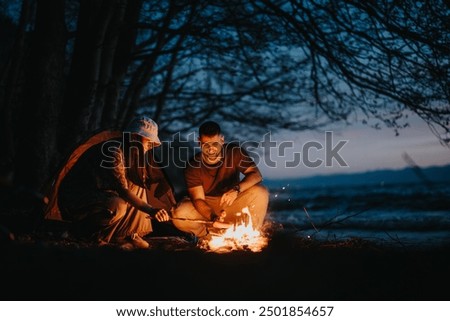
[{"x": 219, "y": 178}]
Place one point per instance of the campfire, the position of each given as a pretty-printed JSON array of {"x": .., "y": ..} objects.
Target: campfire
[{"x": 239, "y": 236}]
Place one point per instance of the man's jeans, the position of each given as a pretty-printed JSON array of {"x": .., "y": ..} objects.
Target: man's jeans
[{"x": 255, "y": 198}]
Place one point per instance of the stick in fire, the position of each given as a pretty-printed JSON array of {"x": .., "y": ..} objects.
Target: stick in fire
[{"x": 213, "y": 223}]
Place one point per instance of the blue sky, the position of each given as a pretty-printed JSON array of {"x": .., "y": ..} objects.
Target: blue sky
[{"x": 365, "y": 149}]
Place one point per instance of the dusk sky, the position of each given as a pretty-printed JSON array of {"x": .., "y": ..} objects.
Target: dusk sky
[{"x": 366, "y": 149}]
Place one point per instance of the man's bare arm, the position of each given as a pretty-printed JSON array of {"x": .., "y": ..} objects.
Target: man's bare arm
[
  {"x": 252, "y": 177},
  {"x": 197, "y": 195}
]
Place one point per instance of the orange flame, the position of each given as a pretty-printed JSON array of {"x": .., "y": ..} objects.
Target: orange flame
[{"x": 241, "y": 236}]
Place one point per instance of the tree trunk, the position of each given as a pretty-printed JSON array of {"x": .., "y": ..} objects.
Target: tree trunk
[
  {"x": 107, "y": 56},
  {"x": 122, "y": 59},
  {"x": 11, "y": 93},
  {"x": 37, "y": 124},
  {"x": 83, "y": 80}
]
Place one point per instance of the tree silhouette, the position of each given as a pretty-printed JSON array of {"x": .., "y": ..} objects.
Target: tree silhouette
[{"x": 73, "y": 67}]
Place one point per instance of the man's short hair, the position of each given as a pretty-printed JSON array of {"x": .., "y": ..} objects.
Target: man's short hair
[{"x": 209, "y": 128}]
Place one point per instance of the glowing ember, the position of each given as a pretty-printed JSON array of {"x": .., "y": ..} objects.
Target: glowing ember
[{"x": 240, "y": 236}]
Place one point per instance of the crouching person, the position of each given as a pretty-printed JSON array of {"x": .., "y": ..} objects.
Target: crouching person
[
  {"x": 110, "y": 189},
  {"x": 216, "y": 191}
]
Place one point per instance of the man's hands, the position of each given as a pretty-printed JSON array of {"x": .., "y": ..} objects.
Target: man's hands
[
  {"x": 228, "y": 198},
  {"x": 218, "y": 221},
  {"x": 161, "y": 215}
]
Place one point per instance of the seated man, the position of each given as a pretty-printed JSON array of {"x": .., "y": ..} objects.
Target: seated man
[
  {"x": 215, "y": 188},
  {"x": 110, "y": 189}
]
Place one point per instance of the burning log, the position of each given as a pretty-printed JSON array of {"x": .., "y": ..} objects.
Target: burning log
[{"x": 241, "y": 237}]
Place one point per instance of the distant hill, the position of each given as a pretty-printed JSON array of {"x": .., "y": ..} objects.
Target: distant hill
[{"x": 407, "y": 175}]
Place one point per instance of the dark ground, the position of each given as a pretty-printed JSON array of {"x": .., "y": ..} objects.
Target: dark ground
[{"x": 47, "y": 264}]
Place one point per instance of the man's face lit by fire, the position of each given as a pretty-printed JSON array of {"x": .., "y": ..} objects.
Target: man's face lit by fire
[{"x": 211, "y": 148}]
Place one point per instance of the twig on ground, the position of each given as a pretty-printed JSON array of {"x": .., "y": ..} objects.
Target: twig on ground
[
  {"x": 310, "y": 220},
  {"x": 396, "y": 238}
]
